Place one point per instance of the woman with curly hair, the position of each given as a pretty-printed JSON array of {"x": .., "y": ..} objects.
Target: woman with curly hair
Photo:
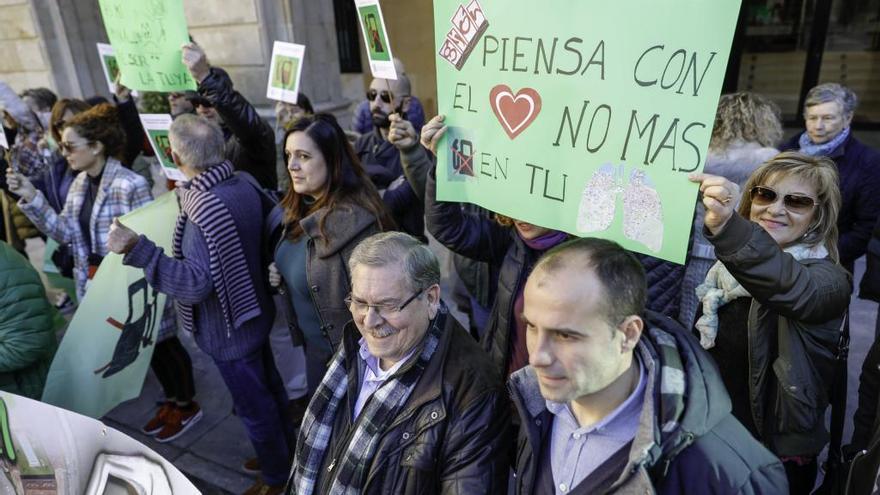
[
  {"x": 747, "y": 127},
  {"x": 103, "y": 190}
]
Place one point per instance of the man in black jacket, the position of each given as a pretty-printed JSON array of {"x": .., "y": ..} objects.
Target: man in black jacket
[
  {"x": 410, "y": 403},
  {"x": 828, "y": 113},
  {"x": 250, "y": 140},
  {"x": 614, "y": 402},
  {"x": 378, "y": 152}
]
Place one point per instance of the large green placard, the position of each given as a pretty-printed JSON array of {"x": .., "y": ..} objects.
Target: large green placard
[
  {"x": 147, "y": 36},
  {"x": 582, "y": 116},
  {"x": 106, "y": 351}
]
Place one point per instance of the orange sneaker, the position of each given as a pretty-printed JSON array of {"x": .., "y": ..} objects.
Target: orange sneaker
[
  {"x": 158, "y": 422},
  {"x": 178, "y": 421}
]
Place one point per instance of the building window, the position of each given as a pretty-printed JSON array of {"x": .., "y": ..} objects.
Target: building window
[{"x": 347, "y": 36}]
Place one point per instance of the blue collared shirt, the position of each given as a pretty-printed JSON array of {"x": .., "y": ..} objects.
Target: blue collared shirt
[
  {"x": 577, "y": 451},
  {"x": 374, "y": 376}
]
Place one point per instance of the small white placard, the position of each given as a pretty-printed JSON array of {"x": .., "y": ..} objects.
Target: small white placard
[
  {"x": 285, "y": 71},
  {"x": 157, "y": 125},
  {"x": 107, "y": 56},
  {"x": 376, "y": 39}
]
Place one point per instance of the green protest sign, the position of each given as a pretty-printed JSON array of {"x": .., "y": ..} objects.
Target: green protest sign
[
  {"x": 147, "y": 37},
  {"x": 106, "y": 351},
  {"x": 584, "y": 117}
]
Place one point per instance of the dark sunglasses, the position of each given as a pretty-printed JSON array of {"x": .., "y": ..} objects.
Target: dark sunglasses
[
  {"x": 69, "y": 148},
  {"x": 384, "y": 94},
  {"x": 795, "y": 203},
  {"x": 201, "y": 102}
]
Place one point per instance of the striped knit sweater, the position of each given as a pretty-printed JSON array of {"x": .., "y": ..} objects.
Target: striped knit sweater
[{"x": 189, "y": 281}]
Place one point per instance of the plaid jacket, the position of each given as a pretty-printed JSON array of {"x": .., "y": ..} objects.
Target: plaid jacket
[{"x": 120, "y": 192}]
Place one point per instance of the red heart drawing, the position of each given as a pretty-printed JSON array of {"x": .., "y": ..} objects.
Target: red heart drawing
[{"x": 514, "y": 112}]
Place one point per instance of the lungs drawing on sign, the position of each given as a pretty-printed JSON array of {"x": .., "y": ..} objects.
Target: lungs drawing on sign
[
  {"x": 642, "y": 211},
  {"x": 642, "y": 207}
]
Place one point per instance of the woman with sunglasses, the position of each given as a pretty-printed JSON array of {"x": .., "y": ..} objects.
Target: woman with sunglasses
[
  {"x": 329, "y": 207},
  {"x": 102, "y": 190},
  {"x": 774, "y": 303}
]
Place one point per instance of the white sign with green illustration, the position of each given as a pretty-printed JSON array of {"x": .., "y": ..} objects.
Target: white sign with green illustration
[
  {"x": 376, "y": 39},
  {"x": 285, "y": 71},
  {"x": 156, "y": 125}
]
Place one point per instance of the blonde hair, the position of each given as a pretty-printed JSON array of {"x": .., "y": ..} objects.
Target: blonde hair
[
  {"x": 821, "y": 173},
  {"x": 747, "y": 117}
]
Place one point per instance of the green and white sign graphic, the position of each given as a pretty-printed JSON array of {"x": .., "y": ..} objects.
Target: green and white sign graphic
[
  {"x": 582, "y": 116},
  {"x": 285, "y": 71},
  {"x": 376, "y": 39},
  {"x": 147, "y": 37}
]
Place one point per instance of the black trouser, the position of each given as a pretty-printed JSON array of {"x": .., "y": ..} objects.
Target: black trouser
[
  {"x": 801, "y": 478},
  {"x": 173, "y": 368}
]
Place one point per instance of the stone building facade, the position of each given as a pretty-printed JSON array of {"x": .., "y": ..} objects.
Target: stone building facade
[{"x": 52, "y": 43}]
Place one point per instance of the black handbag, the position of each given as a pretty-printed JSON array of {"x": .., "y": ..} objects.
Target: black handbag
[{"x": 63, "y": 260}]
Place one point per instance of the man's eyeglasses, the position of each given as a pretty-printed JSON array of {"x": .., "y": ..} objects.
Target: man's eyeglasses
[
  {"x": 68, "y": 148},
  {"x": 384, "y": 94},
  {"x": 795, "y": 203},
  {"x": 385, "y": 310}
]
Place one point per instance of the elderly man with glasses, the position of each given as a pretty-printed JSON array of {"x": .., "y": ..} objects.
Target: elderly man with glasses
[{"x": 409, "y": 403}]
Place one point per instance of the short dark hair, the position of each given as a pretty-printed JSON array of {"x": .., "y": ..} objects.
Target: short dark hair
[
  {"x": 620, "y": 273},
  {"x": 44, "y": 97}
]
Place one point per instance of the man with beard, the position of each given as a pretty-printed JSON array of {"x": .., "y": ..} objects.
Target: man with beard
[
  {"x": 409, "y": 403},
  {"x": 378, "y": 152},
  {"x": 250, "y": 140}
]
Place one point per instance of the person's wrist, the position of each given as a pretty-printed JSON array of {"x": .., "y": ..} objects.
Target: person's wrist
[
  {"x": 129, "y": 245},
  {"x": 201, "y": 73}
]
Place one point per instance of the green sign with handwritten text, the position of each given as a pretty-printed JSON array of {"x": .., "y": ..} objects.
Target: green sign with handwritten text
[
  {"x": 147, "y": 37},
  {"x": 582, "y": 116}
]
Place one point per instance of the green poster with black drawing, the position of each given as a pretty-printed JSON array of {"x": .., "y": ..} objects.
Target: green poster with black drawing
[
  {"x": 105, "y": 353},
  {"x": 582, "y": 116}
]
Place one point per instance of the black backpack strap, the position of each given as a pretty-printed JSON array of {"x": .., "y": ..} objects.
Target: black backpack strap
[{"x": 838, "y": 392}]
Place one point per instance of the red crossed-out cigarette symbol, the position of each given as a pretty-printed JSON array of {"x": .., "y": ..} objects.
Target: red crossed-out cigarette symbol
[{"x": 466, "y": 163}]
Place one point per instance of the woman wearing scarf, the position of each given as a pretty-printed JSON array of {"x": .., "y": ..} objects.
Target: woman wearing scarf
[
  {"x": 774, "y": 303},
  {"x": 103, "y": 190},
  {"x": 329, "y": 207},
  {"x": 510, "y": 246},
  {"x": 828, "y": 113}
]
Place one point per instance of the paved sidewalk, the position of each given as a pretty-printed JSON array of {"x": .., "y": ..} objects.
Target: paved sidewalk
[{"x": 212, "y": 452}]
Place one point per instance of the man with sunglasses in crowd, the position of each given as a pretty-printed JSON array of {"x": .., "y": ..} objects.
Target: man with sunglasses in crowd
[
  {"x": 378, "y": 152},
  {"x": 250, "y": 140},
  {"x": 409, "y": 403}
]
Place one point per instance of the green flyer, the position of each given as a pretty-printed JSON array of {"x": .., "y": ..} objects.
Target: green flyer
[
  {"x": 582, "y": 116},
  {"x": 147, "y": 37}
]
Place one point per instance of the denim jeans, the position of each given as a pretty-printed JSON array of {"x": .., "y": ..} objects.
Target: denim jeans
[{"x": 260, "y": 402}]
